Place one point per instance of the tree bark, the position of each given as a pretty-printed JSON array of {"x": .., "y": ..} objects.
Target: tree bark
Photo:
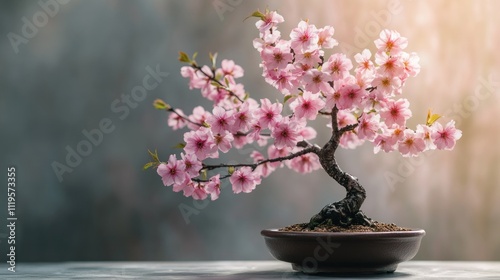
[{"x": 347, "y": 211}]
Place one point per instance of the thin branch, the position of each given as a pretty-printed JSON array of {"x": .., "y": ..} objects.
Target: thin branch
[
  {"x": 204, "y": 181},
  {"x": 221, "y": 85},
  {"x": 370, "y": 89},
  {"x": 183, "y": 117},
  {"x": 310, "y": 149},
  {"x": 348, "y": 128},
  {"x": 239, "y": 133},
  {"x": 335, "y": 125}
]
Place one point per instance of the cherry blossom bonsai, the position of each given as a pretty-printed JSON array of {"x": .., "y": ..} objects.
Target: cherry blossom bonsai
[{"x": 363, "y": 104}]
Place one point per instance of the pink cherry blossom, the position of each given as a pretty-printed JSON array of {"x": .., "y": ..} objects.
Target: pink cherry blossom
[
  {"x": 307, "y": 105},
  {"x": 213, "y": 187},
  {"x": 175, "y": 121},
  {"x": 187, "y": 186},
  {"x": 223, "y": 141},
  {"x": 188, "y": 189},
  {"x": 200, "y": 143},
  {"x": 390, "y": 42},
  {"x": 221, "y": 120},
  {"x": 195, "y": 80},
  {"x": 255, "y": 131},
  {"x": 305, "y": 163},
  {"x": 199, "y": 192},
  {"x": 268, "y": 39},
  {"x": 304, "y": 37},
  {"x": 307, "y": 60},
  {"x": 285, "y": 133},
  {"x": 192, "y": 165},
  {"x": 236, "y": 89},
  {"x": 262, "y": 170},
  {"x": 396, "y": 112},
  {"x": 219, "y": 96},
  {"x": 411, "y": 144},
  {"x": 244, "y": 118},
  {"x": 410, "y": 63},
  {"x": 368, "y": 127},
  {"x": 364, "y": 80},
  {"x": 308, "y": 133},
  {"x": 389, "y": 65},
  {"x": 350, "y": 96},
  {"x": 332, "y": 99},
  {"x": 172, "y": 172},
  {"x": 446, "y": 137},
  {"x": 269, "y": 113},
  {"x": 277, "y": 56},
  {"x": 270, "y": 20},
  {"x": 344, "y": 118},
  {"x": 387, "y": 84},
  {"x": 350, "y": 140},
  {"x": 241, "y": 140},
  {"x": 384, "y": 143},
  {"x": 425, "y": 132},
  {"x": 396, "y": 133},
  {"x": 274, "y": 152},
  {"x": 364, "y": 62},
  {"x": 203, "y": 82},
  {"x": 317, "y": 81},
  {"x": 198, "y": 117},
  {"x": 325, "y": 37},
  {"x": 229, "y": 68},
  {"x": 282, "y": 79},
  {"x": 244, "y": 180},
  {"x": 376, "y": 100},
  {"x": 337, "y": 65}
]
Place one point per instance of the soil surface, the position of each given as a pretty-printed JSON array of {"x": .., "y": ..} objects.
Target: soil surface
[{"x": 376, "y": 227}]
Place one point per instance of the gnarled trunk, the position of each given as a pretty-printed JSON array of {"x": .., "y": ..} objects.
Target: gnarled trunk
[{"x": 346, "y": 211}]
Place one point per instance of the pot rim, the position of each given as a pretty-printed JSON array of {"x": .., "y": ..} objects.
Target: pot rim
[{"x": 276, "y": 233}]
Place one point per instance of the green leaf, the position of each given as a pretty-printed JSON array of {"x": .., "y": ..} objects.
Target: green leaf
[
  {"x": 148, "y": 165},
  {"x": 161, "y": 105},
  {"x": 432, "y": 118},
  {"x": 213, "y": 58},
  {"x": 154, "y": 156},
  {"x": 204, "y": 174},
  {"x": 230, "y": 170},
  {"x": 257, "y": 14},
  {"x": 180, "y": 145},
  {"x": 287, "y": 97},
  {"x": 183, "y": 57},
  {"x": 194, "y": 56}
]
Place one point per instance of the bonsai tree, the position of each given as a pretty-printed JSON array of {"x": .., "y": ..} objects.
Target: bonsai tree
[{"x": 364, "y": 104}]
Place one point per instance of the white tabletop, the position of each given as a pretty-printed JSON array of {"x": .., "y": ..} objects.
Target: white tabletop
[{"x": 236, "y": 270}]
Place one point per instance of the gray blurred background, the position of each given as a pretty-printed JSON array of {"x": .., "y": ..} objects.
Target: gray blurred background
[{"x": 84, "y": 57}]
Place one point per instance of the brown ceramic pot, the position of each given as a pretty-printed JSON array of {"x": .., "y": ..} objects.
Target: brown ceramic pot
[{"x": 344, "y": 253}]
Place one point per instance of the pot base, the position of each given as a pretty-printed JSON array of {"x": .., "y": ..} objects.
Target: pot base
[
  {"x": 344, "y": 253},
  {"x": 345, "y": 270}
]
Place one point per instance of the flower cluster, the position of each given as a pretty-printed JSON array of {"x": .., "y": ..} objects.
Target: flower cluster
[{"x": 366, "y": 98}]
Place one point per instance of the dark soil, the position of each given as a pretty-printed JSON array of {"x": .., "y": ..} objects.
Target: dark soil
[{"x": 375, "y": 227}]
